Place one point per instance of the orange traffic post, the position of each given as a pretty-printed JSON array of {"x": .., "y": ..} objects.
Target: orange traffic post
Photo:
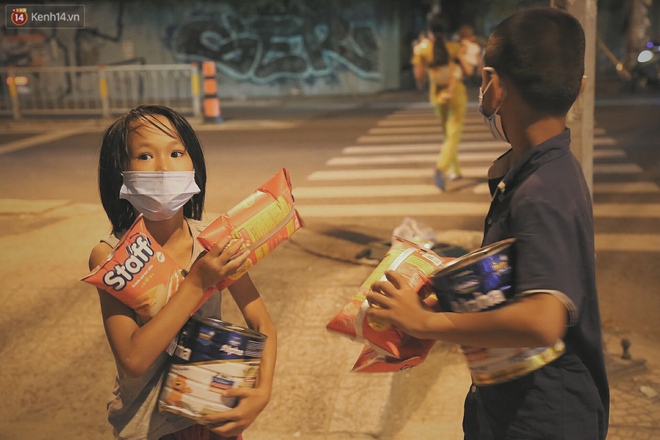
[{"x": 211, "y": 100}]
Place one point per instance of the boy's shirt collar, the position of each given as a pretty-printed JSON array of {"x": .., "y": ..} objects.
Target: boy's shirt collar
[{"x": 504, "y": 173}]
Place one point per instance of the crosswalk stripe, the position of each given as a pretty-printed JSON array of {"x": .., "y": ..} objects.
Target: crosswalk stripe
[
  {"x": 407, "y": 159},
  {"x": 466, "y": 136},
  {"x": 389, "y": 174},
  {"x": 455, "y": 209},
  {"x": 394, "y": 209},
  {"x": 633, "y": 210},
  {"x": 421, "y": 130},
  {"x": 435, "y": 146},
  {"x": 628, "y": 242},
  {"x": 368, "y": 191},
  {"x": 358, "y": 191},
  {"x": 420, "y": 137},
  {"x": 483, "y": 156},
  {"x": 474, "y": 172},
  {"x": 617, "y": 168},
  {"x": 626, "y": 188},
  {"x": 421, "y": 121}
]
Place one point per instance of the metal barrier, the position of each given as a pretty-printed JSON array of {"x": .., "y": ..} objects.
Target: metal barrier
[{"x": 101, "y": 90}]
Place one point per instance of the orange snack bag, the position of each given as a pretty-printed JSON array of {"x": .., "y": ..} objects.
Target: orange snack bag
[
  {"x": 407, "y": 258},
  {"x": 139, "y": 273},
  {"x": 413, "y": 352},
  {"x": 263, "y": 220}
]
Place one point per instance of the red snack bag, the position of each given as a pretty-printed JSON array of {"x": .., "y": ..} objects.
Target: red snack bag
[
  {"x": 413, "y": 352},
  {"x": 139, "y": 273},
  {"x": 407, "y": 258},
  {"x": 263, "y": 220}
]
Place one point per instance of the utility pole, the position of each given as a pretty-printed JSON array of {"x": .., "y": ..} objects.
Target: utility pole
[{"x": 580, "y": 118}]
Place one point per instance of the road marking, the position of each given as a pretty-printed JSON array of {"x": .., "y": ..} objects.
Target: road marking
[
  {"x": 421, "y": 121},
  {"x": 421, "y": 137},
  {"x": 421, "y": 130},
  {"x": 626, "y": 188},
  {"x": 627, "y": 210},
  {"x": 424, "y": 147},
  {"x": 394, "y": 209},
  {"x": 34, "y": 141},
  {"x": 480, "y": 209},
  {"x": 627, "y": 242},
  {"x": 407, "y": 159},
  {"x": 389, "y": 174},
  {"x": 366, "y": 191},
  {"x": 487, "y": 156},
  {"x": 617, "y": 168},
  {"x": 474, "y": 172}
]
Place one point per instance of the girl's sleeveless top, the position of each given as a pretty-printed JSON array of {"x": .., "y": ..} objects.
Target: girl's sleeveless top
[{"x": 133, "y": 407}]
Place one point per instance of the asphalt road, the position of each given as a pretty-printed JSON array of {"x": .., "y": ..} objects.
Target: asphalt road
[{"x": 339, "y": 150}]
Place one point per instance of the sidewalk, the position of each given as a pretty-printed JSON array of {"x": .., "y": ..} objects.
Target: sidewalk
[{"x": 58, "y": 371}]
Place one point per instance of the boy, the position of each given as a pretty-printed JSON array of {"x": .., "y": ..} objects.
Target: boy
[{"x": 533, "y": 72}]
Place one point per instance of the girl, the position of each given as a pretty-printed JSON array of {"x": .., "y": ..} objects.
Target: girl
[
  {"x": 440, "y": 62},
  {"x": 146, "y": 155}
]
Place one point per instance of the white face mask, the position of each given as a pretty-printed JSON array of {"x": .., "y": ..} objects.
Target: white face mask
[
  {"x": 158, "y": 195},
  {"x": 494, "y": 121}
]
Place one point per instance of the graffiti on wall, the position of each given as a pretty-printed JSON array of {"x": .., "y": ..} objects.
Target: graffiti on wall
[{"x": 264, "y": 50}]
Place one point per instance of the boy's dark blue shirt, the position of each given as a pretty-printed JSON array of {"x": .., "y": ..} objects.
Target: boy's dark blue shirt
[{"x": 543, "y": 201}]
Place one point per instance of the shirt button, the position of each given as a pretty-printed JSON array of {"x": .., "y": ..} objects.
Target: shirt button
[
  {"x": 489, "y": 221},
  {"x": 473, "y": 389}
]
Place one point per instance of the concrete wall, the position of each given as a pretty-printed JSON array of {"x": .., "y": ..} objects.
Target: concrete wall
[{"x": 319, "y": 52}]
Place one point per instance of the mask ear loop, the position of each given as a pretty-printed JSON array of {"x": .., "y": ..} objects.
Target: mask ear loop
[{"x": 492, "y": 70}]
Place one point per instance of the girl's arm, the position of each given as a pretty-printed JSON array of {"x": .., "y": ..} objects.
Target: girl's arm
[
  {"x": 251, "y": 401},
  {"x": 136, "y": 348},
  {"x": 537, "y": 320}
]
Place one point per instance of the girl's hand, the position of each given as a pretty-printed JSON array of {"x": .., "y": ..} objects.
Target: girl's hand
[
  {"x": 394, "y": 301},
  {"x": 221, "y": 261},
  {"x": 251, "y": 401}
]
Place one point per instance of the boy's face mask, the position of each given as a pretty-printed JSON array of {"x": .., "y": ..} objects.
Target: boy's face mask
[
  {"x": 493, "y": 121},
  {"x": 158, "y": 195}
]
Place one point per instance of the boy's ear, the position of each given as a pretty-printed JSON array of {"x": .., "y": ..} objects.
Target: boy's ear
[{"x": 583, "y": 84}]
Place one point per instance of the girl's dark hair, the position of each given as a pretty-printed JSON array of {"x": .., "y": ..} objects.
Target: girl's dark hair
[
  {"x": 113, "y": 160},
  {"x": 440, "y": 53},
  {"x": 541, "y": 50}
]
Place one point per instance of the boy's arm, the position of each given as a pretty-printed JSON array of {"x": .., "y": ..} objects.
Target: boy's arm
[{"x": 532, "y": 321}]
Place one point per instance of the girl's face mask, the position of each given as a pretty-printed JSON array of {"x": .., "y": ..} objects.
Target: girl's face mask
[
  {"x": 158, "y": 195},
  {"x": 494, "y": 121}
]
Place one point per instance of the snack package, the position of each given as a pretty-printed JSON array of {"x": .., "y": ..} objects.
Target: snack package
[
  {"x": 263, "y": 220},
  {"x": 139, "y": 273},
  {"x": 413, "y": 352},
  {"x": 407, "y": 258}
]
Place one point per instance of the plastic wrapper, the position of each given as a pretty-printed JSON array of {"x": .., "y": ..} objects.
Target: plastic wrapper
[
  {"x": 139, "y": 273},
  {"x": 410, "y": 260},
  {"x": 413, "y": 352},
  {"x": 263, "y": 220}
]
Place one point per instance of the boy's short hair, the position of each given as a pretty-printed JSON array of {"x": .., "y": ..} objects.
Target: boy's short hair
[
  {"x": 113, "y": 160},
  {"x": 542, "y": 51}
]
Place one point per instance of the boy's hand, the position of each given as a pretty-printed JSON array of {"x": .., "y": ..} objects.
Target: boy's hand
[
  {"x": 396, "y": 302},
  {"x": 251, "y": 401},
  {"x": 221, "y": 261}
]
